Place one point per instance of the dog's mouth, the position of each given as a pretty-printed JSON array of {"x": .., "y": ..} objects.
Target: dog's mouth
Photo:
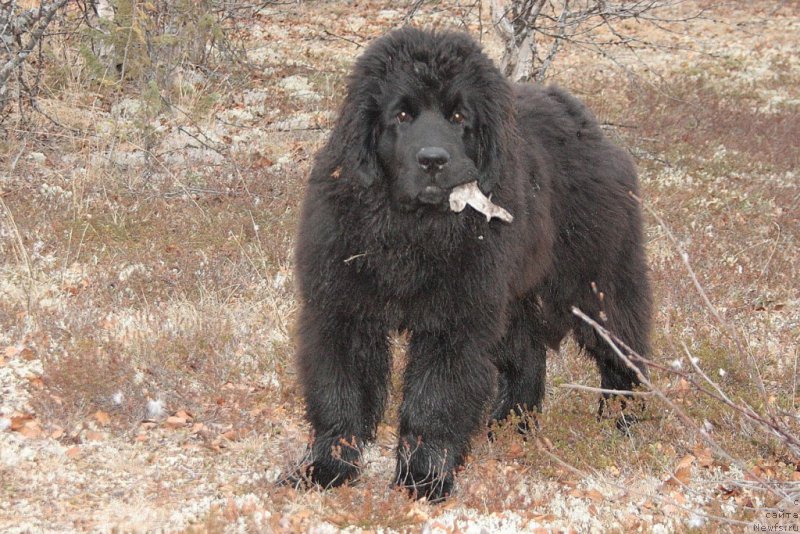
[
  {"x": 433, "y": 195},
  {"x": 429, "y": 194},
  {"x": 426, "y": 209}
]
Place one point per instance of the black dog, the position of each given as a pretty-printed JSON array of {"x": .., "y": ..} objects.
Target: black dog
[{"x": 379, "y": 250}]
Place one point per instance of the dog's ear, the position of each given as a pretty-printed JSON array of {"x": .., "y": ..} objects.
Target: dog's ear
[
  {"x": 489, "y": 159},
  {"x": 368, "y": 169},
  {"x": 495, "y": 129},
  {"x": 493, "y": 143},
  {"x": 356, "y": 134}
]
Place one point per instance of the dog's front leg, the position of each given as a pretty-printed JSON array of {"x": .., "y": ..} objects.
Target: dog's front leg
[
  {"x": 344, "y": 369},
  {"x": 448, "y": 383}
]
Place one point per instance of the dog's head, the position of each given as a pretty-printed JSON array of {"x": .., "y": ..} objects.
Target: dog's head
[{"x": 425, "y": 112}]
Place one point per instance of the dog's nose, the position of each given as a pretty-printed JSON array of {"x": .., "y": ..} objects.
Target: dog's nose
[{"x": 432, "y": 158}]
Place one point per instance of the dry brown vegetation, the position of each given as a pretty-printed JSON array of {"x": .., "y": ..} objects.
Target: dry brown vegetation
[{"x": 146, "y": 293}]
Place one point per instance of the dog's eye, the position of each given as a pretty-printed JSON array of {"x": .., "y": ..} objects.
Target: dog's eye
[
  {"x": 403, "y": 117},
  {"x": 458, "y": 118}
]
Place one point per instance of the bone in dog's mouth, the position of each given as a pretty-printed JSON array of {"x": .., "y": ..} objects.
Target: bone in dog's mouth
[{"x": 471, "y": 194}]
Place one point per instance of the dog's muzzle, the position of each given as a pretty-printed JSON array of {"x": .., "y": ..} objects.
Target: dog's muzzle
[{"x": 432, "y": 194}]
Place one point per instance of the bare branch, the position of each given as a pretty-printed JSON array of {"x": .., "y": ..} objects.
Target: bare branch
[
  {"x": 607, "y": 391},
  {"x": 526, "y": 25},
  {"x": 17, "y": 27},
  {"x": 617, "y": 346},
  {"x": 732, "y": 334}
]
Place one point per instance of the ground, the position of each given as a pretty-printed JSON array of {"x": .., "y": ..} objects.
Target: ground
[{"x": 147, "y": 296}]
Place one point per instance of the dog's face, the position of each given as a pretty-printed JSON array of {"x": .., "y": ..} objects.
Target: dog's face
[
  {"x": 426, "y": 146},
  {"x": 424, "y": 112}
]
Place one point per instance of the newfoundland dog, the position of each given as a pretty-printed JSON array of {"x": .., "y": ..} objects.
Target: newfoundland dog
[{"x": 472, "y": 214}]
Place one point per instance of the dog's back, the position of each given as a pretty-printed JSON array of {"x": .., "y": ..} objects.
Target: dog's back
[{"x": 598, "y": 221}]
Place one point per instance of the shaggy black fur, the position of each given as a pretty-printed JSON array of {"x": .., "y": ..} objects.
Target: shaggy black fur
[{"x": 378, "y": 251}]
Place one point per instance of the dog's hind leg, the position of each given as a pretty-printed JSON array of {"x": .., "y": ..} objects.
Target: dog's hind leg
[
  {"x": 520, "y": 358},
  {"x": 624, "y": 310}
]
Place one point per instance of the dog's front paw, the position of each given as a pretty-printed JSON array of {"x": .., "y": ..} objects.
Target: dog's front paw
[
  {"x": 431, "y": 485},
  {"x": 424, "y": 472},
  {"x": 330, "y": 473},
  {"x": 328, "y": 464}
]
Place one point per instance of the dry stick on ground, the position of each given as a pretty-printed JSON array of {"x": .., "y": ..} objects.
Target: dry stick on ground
[
  {"x": 784, "y": 434},
  {"x": 615, "y": 345},
  {"x": 607, "y": 391},
  {"x": 711, "y": 308},
  {"x": 770, "y": 426}
]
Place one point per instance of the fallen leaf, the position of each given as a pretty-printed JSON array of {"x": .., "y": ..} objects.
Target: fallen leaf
[
  {"x": 683, "y": 472},
  {"x": 417, "y": 513},
  {"x": 515, "y": 451},
  {"x": 761, "y": 470},
  {"x": 57, "y": 433},
  {"x": 595, "y": 496},
  {"x": 686, "y": 461},
  {"x": 174, "y": 422},
  {"x": 234, "y": 434},
  {"x": 31, "y": 430},
  {"x": 184, "y": 414},
  {"x": 36, "y": 381},
  {"x": 678, "y": 497},
  {"x": 18, "y": 421},
  {"x": 198, "y": 428},
  {"x": 102, "y": 417},
  {"x": 704, "y": 456},
  {"x": 670, "y": 509},
  {"x": 91, "y": 435},
  {"x": 73, "y": 452},
  {"x": 681, "y": 387}
]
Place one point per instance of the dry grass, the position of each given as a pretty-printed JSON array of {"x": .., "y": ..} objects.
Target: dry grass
[{"x": 145, "y": 245}]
